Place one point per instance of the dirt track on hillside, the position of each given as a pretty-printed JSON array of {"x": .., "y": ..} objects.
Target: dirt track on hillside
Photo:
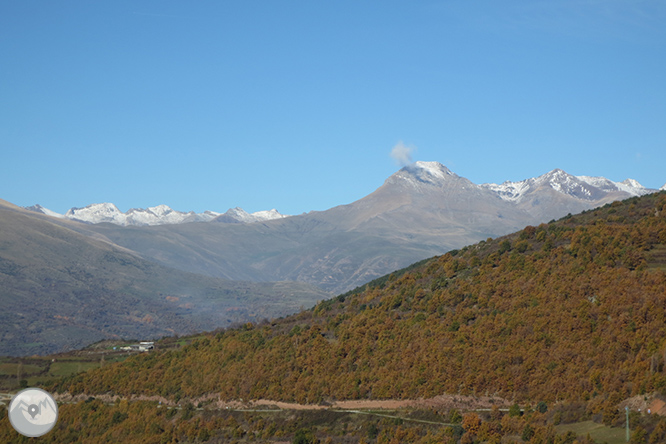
[{"x": 441, "y": 402}]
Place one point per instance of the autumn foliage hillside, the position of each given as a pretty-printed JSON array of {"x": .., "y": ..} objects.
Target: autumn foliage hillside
[{"x": 570, "y": 310}]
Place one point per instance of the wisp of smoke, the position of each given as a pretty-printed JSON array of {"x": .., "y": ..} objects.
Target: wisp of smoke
[{"x": 402, "y": 154}]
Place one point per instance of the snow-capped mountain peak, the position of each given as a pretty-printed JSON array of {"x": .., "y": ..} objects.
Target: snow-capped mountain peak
[
  {"x": 434, "y": 169},
  {"x": 632, "y": 183},
  {"x": 422, "y": 173},
  {"x": 565, "y": 183},
  {"x": 239, "y": 215},
  {"x": 97, "y": 213},
  {"x": 630, "y": 186},
  {"x": 267, "y": 214},
  {"x": 160, "y": 210}
]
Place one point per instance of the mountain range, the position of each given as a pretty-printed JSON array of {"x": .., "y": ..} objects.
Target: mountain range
[
  {"x": 581, "y": 187},
  {"x": 422, "y": 210},
  {"x": 158, "y": 215}
]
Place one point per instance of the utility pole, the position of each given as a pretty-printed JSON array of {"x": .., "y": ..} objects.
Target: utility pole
[{"x": 626, "y": 409}]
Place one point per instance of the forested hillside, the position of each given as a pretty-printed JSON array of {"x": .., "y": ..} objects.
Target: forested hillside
[{"x": 570, "y": 310}]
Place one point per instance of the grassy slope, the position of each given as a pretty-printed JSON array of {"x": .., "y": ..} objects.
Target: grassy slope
[{"x": 598, "y": 432}]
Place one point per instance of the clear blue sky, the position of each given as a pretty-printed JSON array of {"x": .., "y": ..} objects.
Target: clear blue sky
[{"x": 296, "y": 105}]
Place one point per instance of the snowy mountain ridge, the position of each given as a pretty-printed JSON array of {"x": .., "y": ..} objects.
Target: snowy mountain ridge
[
  {"x": 580, "y": 187},
  {"x": 157, "y": 215}
]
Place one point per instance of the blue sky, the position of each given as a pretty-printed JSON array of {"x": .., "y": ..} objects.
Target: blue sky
[{"x": 297, "y": 105}]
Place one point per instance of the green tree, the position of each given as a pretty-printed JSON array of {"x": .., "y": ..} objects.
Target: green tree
[
  {"x": 455, "y": 417},
  {"x": 514, "y": 410},
  {"x": 305, "y": 437}
]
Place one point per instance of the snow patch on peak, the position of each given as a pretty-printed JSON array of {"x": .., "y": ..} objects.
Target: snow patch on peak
[
  {"x": 240, "y": 215},
  {"x": 557, "y": 175},
  {"x": 160, "y": 210},
  {"x": 507, "y": 190},
  {"x": 630, "y": 186},
  {"x": 268, "y": 215},
  {"x": 419, "y": 174},
  {"x": 557, "y": 179},
  {"x": 663, "y": 188},
  {"x": 434, "y": 169},
  {"x": 97, "y": 213},
  {"x": 632, "y": 183},
  {"x": 40, "y": 209}
]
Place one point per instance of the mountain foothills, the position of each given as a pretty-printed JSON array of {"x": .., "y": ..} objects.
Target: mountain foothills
[
  {"x": 422, "y": 210},
  {"x": 60, "y": 290},
  {"x": 565, "y": 315},
  {"x": 570, "y": 310}
]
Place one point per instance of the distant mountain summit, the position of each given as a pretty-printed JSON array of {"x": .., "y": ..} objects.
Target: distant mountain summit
[
  {"x": 40, "y": 209},
  {"x": 158, "y": 215},
  {"x": 238, "y": 215},
  {"x": 418, "y": 173}
]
